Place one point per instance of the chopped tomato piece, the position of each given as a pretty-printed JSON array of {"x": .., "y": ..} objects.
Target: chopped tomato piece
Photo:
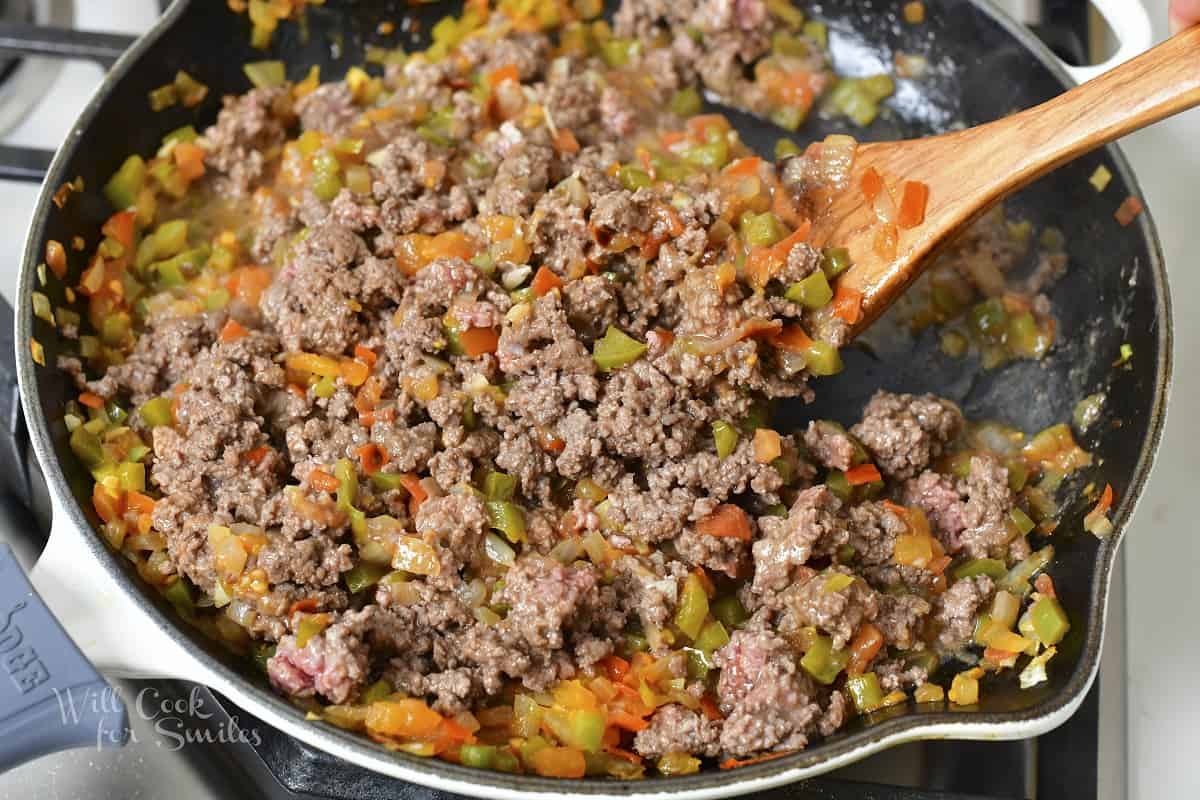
[
  {"x": 305, "y": 604},
  {"x": 614, "y": 666},
  {"x": 372, "y": 457},
  {"x": 545, "y": 281},
  {"x": 256, "y": 455},
  {"x": 912, "y": 204},
  {"x": 1045, "y": 585},
  {"x": 709, "y": 707},
  {"x": 863, "y": 473},
  {"x": 109, "y": 506},
  {"x": 354, "y": 372},
  {"x": 727, "y": 521},
  {"x": 91, "y": 400}
]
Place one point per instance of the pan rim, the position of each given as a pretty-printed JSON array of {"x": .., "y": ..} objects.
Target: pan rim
[{"x": 710, "y": 784}]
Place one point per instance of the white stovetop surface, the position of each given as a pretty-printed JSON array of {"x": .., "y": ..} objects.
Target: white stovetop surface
[{"x": 1163, "y": 547}]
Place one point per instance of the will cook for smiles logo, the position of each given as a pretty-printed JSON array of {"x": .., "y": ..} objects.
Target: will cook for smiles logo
[{"x": 175, "y": 721}]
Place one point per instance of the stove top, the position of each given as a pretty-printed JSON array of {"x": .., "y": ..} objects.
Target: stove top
[{"x": 189, "y": 742}]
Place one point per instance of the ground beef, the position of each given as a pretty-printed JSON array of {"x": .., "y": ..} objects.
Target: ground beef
[
  {"x": 765, "y": 696},
  {"x": 900, "y": 618},
  {"x": 904, "y": 432},
  {"x": 957, "y": 609},
  {"x": 968, "y": 515},
  {"x": 830, "y": 445},
  {"x": 249, "y": 129},
  {"x": 332, "y": 663},
  {"x": 813, "y": 525},
  {"x": 837, "y": 612},
  {"x": 676, "y": 729}
]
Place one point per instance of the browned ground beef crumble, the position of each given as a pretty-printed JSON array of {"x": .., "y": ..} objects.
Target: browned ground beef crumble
[{"x": 252, "y": 445}]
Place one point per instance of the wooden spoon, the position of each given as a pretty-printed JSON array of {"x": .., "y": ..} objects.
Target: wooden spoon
[{"x": 968, "y": 171}]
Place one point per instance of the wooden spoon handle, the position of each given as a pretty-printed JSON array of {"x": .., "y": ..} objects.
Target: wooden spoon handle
[
  {"x": 968, "y": 171},
  {"x": 1159, "y": 83}
]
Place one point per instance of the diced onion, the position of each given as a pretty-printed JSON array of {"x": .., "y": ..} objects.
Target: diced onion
[
  {"x": 499, "y": 550},
  {"x": 837, "y": 157}
]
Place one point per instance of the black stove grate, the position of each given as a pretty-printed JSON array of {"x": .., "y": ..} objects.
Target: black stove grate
[{"x": 1062, "y": 764}]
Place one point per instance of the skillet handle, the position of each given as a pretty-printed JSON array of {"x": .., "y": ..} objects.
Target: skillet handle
[
  {"x": 51, "y": 698},
  {"x": 1130, "y": 23}
]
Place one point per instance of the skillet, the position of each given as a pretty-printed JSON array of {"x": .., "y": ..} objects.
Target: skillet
[{"x": 983, "y": 67}]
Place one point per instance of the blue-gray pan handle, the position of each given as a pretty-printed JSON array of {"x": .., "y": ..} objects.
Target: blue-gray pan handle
[{"x": 51, "y": 698}]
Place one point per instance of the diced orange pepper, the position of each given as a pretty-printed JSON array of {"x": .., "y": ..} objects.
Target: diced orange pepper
[
  {"x": 559, "y": 762},
  {"x": 545, "y": 281},
  {"x": 478, "y": 341},
  {"x": 91, "y": 400},
  {"x": 767, "y": 445},
  {"x": 189, "y": 160},
  {"x": 417, "y": 492},
  {"x": 365, "y": 355},
  {"x": 744, "y": 166},
  {"x": 508, "y": 72},
  {"x": 354, "y": 372},
  {"x": 626, "y": 721},
  {"x": 248, "y": 284},
  {"x": 56, "y": 258},
  {"x": 231, "y": 331},
  {"x": 872, "y": 184},
  {"x": 864, "y": 647},
  {"x": 614, "y": 667},
  {"x": 913, "y": 202},
  {"x": 847, "y": 304},
  {"x": 109, "y": 506},
  {"x": 409, "y": 717},
  {"x": 863, "y": 473},
  {"x": 792, "y": 338},
  {"x": 143, "y": 503},
  {"x": 565, "y": 142},
  {"x": 727, "y": 521},
  {"x": 120, "y": 227},
  {"x": 323, "y": 481}
]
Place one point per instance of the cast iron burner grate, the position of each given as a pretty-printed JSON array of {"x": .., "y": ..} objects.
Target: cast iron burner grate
[{"x": 1062, "y": 764}]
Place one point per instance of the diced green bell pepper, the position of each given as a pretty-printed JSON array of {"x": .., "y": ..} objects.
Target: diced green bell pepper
[
  {"x": 587, "y": 728},
  {"x": 692, "y": 608},
  {"x": 616, "y": 349},
  {"x": 362, "y": 576},
  {"x": 132, "y": 476},
  {"x": 822, "y": 662},
  {"x": 686, "y": 102},
  {"x": 834, "y": 261},
  {"x": 865, "y": 692},
  {"x": 821, "y": 358},
  {"x": 499, "y": 486},
  {"x": 123, "y": 187},
  {"x": 156, "y": 411},
  {"x": 310, "y": 625},
  {"x": 347, "y": 476},
  {"x": 713, "y": 637},
  {"x": 264, "y": 74},
  {"x": 634, "y": 178},
  {"x": 1050, "y": 622},
  {"x": 729, "y": 611},
  {"x": 479, "y": 756},
  {"x": 762, "y": 230},
  {"x": 812, "y": 292},
  {"x": 87, "y": 447},
  {"x": 507, "y": 518},
  {"x": 711, "y": 156},
  {"x": 725, "y": 436},
  {"x": 378, "y": 690}
]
